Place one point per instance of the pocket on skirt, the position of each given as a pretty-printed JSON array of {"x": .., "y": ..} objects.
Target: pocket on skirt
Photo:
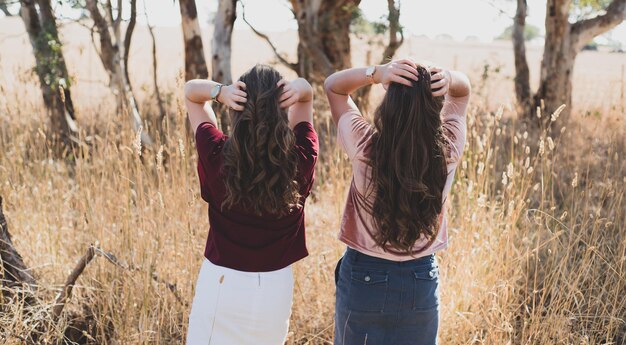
[
  {"x": 337, "y": 270},
  {"x": 368, "y": 290},
  {"x": 425, "y": 291}
]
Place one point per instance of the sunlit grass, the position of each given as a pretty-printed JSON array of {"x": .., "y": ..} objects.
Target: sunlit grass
[{"x": 537, "y": 239}]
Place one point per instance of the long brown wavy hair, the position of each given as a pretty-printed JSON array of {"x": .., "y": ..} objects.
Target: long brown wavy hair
[
  {"x": 259, "y": 160},
  {"x": 408, "y": 164}
]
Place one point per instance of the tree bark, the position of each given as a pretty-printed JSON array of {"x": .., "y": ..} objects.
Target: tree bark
[
  {"x": 114, "y": 56},
  {"x": 562, "y": 43},
  {"x": 522, "y": 74},
  {"x": 324, "y": 37},
  {"x": 557, "y": 65},
  {"x": 195, "y": 63},
  {"x": 14, "y": 272},
  {"x": 221, "y": 52},
  {"x": 362, "y": 96},
  {"x": 324, "y": 33},
  {"x": 585, "y": 30},
  {"x": 50, "y": 66}
]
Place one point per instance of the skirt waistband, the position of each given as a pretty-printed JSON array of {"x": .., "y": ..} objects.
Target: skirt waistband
[{"x": 355, "y": 256}]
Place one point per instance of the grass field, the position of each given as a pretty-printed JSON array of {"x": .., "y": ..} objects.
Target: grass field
[{"x": 538, "y": 221}]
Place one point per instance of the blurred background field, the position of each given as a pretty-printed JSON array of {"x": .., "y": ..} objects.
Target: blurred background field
[{"x": 538, "y": 218}]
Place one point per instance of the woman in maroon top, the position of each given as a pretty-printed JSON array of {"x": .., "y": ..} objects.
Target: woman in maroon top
[{"x": 256, "y": 182}]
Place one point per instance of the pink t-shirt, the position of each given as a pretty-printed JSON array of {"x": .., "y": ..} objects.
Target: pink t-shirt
[{"x": 354, "y": 134}]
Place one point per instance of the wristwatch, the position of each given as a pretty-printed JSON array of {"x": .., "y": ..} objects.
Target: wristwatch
[
  {"x": 369, "y": 73},
  {"x": 215, "y": 91}
]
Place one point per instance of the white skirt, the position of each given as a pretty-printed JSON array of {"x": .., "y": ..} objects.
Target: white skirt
[{"x": 232, "y": 307}]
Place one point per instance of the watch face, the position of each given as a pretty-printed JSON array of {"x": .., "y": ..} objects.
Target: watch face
[
  {"x": 215, "y": 91},
  {"x": 370, "y": 71}
]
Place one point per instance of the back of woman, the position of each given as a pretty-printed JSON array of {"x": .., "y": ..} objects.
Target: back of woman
[
  {"x": 255, "y": 183},
  {"x": 394, "y": 219}
]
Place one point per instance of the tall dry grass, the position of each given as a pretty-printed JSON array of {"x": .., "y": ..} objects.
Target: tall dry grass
[{"x": 537, "y": 230}]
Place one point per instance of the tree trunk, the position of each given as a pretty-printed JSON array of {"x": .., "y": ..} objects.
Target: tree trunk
[
  {"x": 562, "y": 43},
  {"x": 362, "y": 96},
  {"x": 324, "y": 33},
  {"x": 14, "y": 272},
  {"x": 522, "y": 74},
  {"x": 195, "y": 64},
  {"x": 114, "y": 56},
  {"x": 557, "y": 65},
  {"x": 50, "y": 66},
  {"x": 221, "y": 52}
]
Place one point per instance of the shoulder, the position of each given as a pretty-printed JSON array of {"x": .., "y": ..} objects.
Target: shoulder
[
  {"x": 208, "y": 138},
  {"x": 306, "y": 138},
  {"x": 354, "y": 129}
]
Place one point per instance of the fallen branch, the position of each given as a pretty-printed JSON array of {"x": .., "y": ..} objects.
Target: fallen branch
[
  {"x": 114, "y": 260},
  {"x": 65, "y": 294},
  {"x": 91, "y": 253}
]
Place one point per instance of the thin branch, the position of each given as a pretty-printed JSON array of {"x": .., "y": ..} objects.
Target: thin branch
[
  {"x": 114, "y": 260},
  {"x": 66, "y": 293},
  {"x": 293, "y": 66},
  {"x": 92, "y": 251},
  {"x": 500, "y": 10},
  {"x": 154, "y": 66},
  {"x": 128, "y": 37}
]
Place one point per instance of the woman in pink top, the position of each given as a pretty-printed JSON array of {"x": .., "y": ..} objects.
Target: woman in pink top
[{"x": 394, "y": 220}]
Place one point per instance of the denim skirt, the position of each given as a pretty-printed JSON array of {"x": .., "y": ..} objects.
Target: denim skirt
[{"x": 383, "y": 302}]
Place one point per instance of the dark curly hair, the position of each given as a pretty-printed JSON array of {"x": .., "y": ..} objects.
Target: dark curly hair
[
  {"x": 259, "y": 159},
  {"x": 408, "y": 164}
]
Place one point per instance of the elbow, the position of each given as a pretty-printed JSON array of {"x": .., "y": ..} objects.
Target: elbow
[
  {"x": 466, "y": 83},
  {"x": 191, "y": 90},
  {"x": 308, "y": 89},
  {"x": 188, "y": 89},
  {"x": 328, "y": 83}
]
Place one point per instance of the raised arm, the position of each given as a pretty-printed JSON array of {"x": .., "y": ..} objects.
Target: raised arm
[
  {"x": 297, "y": 96},
  {"x": 459, "y": 84},
  {"x": 341, "y": 84},
  {"x": 198, "y": 92}
]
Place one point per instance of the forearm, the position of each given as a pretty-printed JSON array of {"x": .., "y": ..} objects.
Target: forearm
[
  {"x": 199, "y": 90},
  {"x": 304, "y": 88},
  {"x": 197, "y": 93},
  {"x": 347, "y": 81},
  {"x": 459, "y": 84}
]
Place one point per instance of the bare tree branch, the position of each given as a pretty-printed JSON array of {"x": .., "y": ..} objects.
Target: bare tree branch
[
  {"x": 90, "y": 254},
  {"x": 155, "y": 69},
  {"x": 103, "y": 31},
  {"x": 394, "y": 30},
  {"x": 128, "y": 37},
  {"x": 585, "y": 30},
  {"x": 293, "y": 66},
  {"x": 66, "y": 292}
]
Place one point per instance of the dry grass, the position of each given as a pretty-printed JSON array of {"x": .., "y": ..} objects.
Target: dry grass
[{"x": 538, "y": 240}]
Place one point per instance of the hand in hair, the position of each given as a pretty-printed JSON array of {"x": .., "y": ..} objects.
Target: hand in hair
[
  {"x": 232, "y": 95},
  {"x": 398, "y": 71},
  {"x": 294, "y": 91},
  {"x": 440, "y": 80}
]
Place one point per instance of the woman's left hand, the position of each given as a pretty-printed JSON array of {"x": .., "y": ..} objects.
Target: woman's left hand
[
  {"x": 290, "y": 95},
  {"x": 440, "y": 81}
]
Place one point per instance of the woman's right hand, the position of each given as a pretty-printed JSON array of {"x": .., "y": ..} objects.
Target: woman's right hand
[
  {"x": 232, "y": 95},
  {"x": 396, "y": 71}
]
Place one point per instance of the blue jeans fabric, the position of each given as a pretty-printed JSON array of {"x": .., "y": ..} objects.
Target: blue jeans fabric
[{"x": 383, "y": 302}]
